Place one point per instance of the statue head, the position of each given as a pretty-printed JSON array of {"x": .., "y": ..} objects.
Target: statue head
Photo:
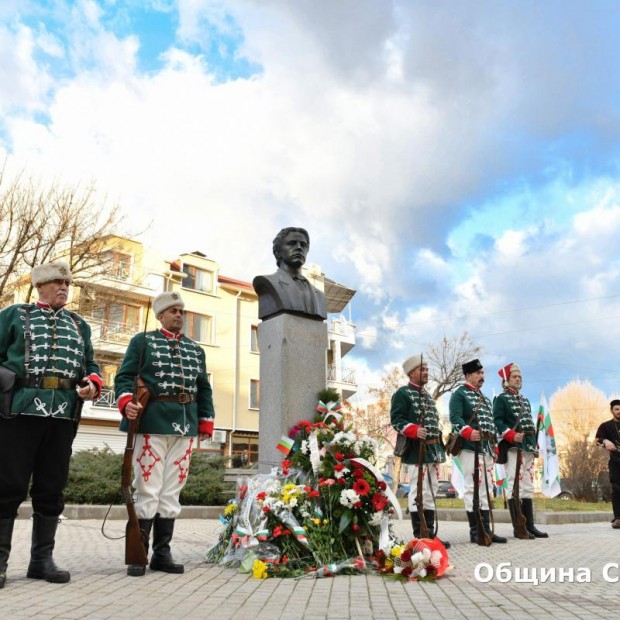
[{"x": 296, "y": 256}]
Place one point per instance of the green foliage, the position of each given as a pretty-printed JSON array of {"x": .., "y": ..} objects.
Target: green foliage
[
  {"x": 328, "y": 395},
  {"x": 95, "y": 478}
]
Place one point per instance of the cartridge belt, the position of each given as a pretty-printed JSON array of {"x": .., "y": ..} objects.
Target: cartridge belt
[
  {"x": 182, "y": 398},
  {"x": 47, "y": 383}
]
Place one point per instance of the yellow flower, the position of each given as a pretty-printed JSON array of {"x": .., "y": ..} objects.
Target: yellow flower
[
  {"x": 389, "y": 563},
  {"x": 316, "y": 521},
  {"x": 230, "y": 509},
  {"x": 259, "y": 570},
  {"x": 396, "y": 551}
]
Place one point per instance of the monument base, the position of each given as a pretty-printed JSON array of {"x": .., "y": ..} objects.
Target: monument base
[{"x": 293, "y": 358}]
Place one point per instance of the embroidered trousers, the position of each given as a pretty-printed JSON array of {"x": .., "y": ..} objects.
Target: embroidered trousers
[
  {"x": 526, "y": 473},
  {"x": 485, "y": 464},
  {"x": 160, "y": 467}
]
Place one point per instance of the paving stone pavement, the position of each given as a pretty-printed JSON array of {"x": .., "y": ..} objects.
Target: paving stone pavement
[{"x": 99, "y": 587}]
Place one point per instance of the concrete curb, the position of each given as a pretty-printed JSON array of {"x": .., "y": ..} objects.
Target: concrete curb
[{"x": 79, "y": 512}]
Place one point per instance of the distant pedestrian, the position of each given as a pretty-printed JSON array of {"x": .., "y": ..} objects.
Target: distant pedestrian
[{"x": 608, "y": 437}]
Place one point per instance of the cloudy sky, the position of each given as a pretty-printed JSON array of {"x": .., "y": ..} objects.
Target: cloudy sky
[{"x": 455, "y": 162}]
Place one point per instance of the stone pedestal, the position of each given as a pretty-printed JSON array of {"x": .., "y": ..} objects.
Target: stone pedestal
[{"x": 293, "y": 358}]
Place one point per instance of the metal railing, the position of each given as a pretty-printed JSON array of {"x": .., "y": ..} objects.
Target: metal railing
[
  {"x": 106, "y": 400},
  {"x": 342, "y": 375}
]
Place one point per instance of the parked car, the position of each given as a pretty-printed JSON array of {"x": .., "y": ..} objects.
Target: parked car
[
  {"x": 403, "y": 489},
  {"x": 445, "y": 489}
]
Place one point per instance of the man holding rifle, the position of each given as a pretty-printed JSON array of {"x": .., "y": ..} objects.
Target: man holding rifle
[
  {"x": 180, "y": 407},
  {"x": 47, "y": 354},
  {"x": 471, "y": 415},
  {"x": 414, "y": 414},
  {"x": 512, "y": 413},
  {"x": 608, "y": 437}
]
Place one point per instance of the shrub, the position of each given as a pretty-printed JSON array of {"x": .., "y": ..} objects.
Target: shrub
[{"x": 95, "y": 478}]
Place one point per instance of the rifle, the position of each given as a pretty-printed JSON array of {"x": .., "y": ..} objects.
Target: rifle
[
  {"x": 135, "y": 552},
  {"x": 520, "y": 521},
  {"x": 483, "y": 538},
  {"x": 419, "y": 499}
]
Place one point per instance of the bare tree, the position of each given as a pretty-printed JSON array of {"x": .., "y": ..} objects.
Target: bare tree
[
  {"x": 445, "y": 361},
  {"x": 39, "y": 223}
]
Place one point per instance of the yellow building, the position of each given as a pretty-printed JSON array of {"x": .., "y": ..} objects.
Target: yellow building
[{"x": 221, "y": 313}]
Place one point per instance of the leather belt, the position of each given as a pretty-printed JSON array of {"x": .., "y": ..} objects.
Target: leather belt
[
  {"x": 182, "y": 398},
  {"x": 430, "y": 442},
  {"x": 47, "y": 383}
]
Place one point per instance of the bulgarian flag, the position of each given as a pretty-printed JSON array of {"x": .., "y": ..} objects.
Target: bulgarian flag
[
  {"x": 500, "y": 476},
  {"x": 457, "y": 478},
  {"x": 285, "y": 444},
  {"x": 550, "y": 483}
]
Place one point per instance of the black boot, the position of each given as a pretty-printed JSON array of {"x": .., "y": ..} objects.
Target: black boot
[
  {"x": 415, "y": 522},
  {"x": 6, "y": 534},
  {"x": 429, "y": 515},
  {"x": 473, "y": 527},
  {"x": 513, "y": 518},
  {"x": 486, "y": 517},
  {"x": 528, "y": 511},
  {"x": 162, "y": 558},
  {"x": 137, "y": 570},
  {"x": 42, "y": 564}
]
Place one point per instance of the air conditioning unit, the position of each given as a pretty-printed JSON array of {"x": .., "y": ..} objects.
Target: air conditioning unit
[{"x": 218, "y": 437}]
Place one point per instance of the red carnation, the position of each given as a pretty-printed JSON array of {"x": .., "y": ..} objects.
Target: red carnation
[
  {"x": 358, "y": 473},
  {"x": 381, "y": 484},
  {"x": 338, "y": 467},
  {"x": 406, "y": 572},
  {"x": 379, "y": 501},
  {"x": 405, "y": 556},
  {"x": 339, "y": 456}
]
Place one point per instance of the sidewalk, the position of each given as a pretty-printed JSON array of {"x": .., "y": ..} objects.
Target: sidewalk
[{"x": 99, "y": 587}]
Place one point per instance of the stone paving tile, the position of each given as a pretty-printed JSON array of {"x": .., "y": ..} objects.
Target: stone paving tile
[{"x": 99, "y": 588}]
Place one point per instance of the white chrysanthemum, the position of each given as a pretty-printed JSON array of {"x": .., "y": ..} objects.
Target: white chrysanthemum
[
  {"x": 426, "y": 552},
  {"x": 376, "y": 518},
  {"x": 304, "y": 447},
  {"x": 349, "y": 497},
  {"x": 341, "y": 473}
]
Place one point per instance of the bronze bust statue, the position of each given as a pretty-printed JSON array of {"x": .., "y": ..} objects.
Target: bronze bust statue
[{"x": 287, "y": 291}]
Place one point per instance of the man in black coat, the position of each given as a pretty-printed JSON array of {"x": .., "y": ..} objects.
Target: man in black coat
[{"x": 608, "y": 437}]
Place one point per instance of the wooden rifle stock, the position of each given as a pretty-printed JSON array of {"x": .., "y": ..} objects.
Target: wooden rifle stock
[
  {"x": 419, "y": 498},
  {"x": 520, "y": 522},
  {"x": 135, "y": 552},
  {"x": 484, "y": 539}
]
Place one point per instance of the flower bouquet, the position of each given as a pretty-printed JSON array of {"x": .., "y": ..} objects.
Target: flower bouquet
[{"x": 325, "y": 510}]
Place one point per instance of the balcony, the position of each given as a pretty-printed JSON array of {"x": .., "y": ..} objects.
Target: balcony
[
  {"x": 342, "y": 379},
  {"x": 342, "y": 331},
  {"x": 111, "y": 336}
]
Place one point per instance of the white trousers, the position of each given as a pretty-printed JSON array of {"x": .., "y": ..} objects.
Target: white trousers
[
  {"x": 428, "y": 491},
  {"x": 160, "y": 469},
  {"x": 526, "y": 473},
  {"x": 485, "y": 466}
]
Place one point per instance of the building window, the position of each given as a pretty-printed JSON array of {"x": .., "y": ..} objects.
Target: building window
[
  {"x": 119, "y": 320},
  {"x": 254, "y": 339},
  {"x": 198, "y": 327},
  {"x": 254, "y": 393},
  {"x": 118, "y": 265},
  {"x": 198, "y": 279}
]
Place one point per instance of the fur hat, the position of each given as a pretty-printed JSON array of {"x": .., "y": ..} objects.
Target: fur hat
[
  {"x": 411, "y": 363},
  {"x": 473, "y": 366},
  {"x": 50, "y": 271},
  {"x": 166, "y": 300},
  {"x": 504, "y": 372}
]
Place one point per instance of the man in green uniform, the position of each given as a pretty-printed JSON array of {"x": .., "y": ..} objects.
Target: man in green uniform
[
  {"x": 471, "y": 415},
  {"x": 180, "y": 407},
  {"x": 414, "y": 414},
  {"x": 50, "y": 351},
  {"x": 514, "y": 423}
]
